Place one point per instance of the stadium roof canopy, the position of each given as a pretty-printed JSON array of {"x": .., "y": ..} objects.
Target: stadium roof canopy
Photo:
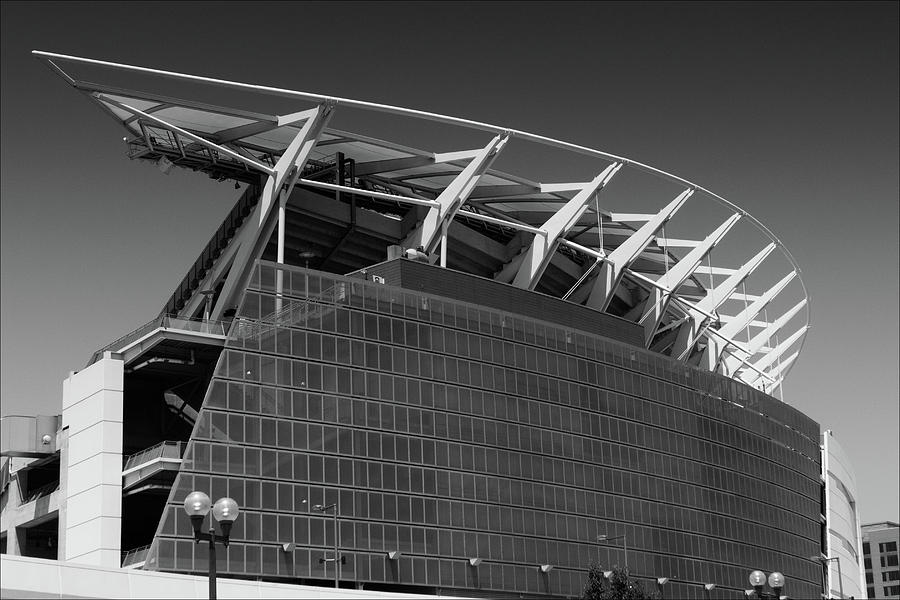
[{"x": 341, "y": 199}]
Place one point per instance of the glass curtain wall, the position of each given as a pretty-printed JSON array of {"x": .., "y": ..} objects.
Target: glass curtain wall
[{"x": 447, "y": 432}]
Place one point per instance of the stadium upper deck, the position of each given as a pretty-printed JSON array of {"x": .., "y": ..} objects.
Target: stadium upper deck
[{"x": 338, "y": 201}]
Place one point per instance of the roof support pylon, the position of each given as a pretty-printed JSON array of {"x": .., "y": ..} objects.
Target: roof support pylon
[
  {"x": 428, "y": 234},
  {"x": 751, "y": 376},
  {"x": 689, "y": 332},
  {"x": 539, "y": 254},
  {"x": 277, "y": 188},
  {"x": 658, "y": 300},
  {"x": 778, "y": 373},
  {"x": 619, "y": 259},
  {"x": 712, "y": 356},
  {"x": 762, "y": 338}
]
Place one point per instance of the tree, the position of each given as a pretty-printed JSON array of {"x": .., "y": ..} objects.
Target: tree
[{"x": 618, "y": 586}]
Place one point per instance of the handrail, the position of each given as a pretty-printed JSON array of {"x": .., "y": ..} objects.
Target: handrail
[
  {"x": 130, "y": 557},
  {"x": 155, "y": 451},
  {"x": 161, "y": 322}
]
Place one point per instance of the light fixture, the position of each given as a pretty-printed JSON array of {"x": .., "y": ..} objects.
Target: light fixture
[
  {"x": 607, "y": 574},
  {"x": 546, "y": 568},
  {"x": 225, "y": 511},
  {"x": 288, "y": 547},
  {"x": 394, "y": 555},
  {"x": 662, "y": 580},
  {"x": 306, "y": 255},
  {"x": 709, "y": 586},
  {"x": 474, "y": 561},
  {"x": 757, "y": 578},
  {"x": 197, "y": 506},
  {"x": 776, "y": 580}
]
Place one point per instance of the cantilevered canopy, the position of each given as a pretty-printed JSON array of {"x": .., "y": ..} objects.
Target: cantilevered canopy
[{"x": 336, "y": 200}]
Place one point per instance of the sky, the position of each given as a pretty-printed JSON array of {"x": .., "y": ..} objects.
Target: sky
[{"x": 788, "y": 110}]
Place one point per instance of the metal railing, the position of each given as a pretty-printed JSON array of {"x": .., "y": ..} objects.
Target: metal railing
[
  {"x": 135, "y": 555},
  {"x": 163, "y": 321},
  {"x": 294, "y": 311},
  {"x": 166, "y": 449}
]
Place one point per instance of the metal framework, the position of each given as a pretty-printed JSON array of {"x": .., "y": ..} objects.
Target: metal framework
[{"x": 555, "y": 238}]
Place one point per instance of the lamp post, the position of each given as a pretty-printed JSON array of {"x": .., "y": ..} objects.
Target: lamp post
[
  {"x": 758, "y": 581},
  {"x": 323, "y": 508},
  {"x": 824, "y": 560},
  {"x": 623, "y": 537},
  {"x": 225, "y": 511}
]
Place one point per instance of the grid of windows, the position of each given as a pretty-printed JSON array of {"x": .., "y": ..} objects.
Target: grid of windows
[{"x": 449, "y": 432}]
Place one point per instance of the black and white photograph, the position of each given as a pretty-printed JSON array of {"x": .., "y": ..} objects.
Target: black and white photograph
[{"x": 371, "y": 300}]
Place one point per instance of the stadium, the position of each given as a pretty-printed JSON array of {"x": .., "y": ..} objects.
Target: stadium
[{"x": 491, "y": 380}]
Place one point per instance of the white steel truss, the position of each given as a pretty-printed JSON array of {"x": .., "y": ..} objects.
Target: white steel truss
[
  {"x": 542, "y": 248},
  {"x": 670, "y": 281},
  {"x": 433, "y": 229},
  {"x": 688, "y": 332},
  {"x": 759, "y": 341},
  {"x": 772, "y": 356},
  {"x": 712, "y": 355},
  {"x": 253, "y": 239},
  {"x": 500, "y": 201},
  {"x": 619, "y": 259}
]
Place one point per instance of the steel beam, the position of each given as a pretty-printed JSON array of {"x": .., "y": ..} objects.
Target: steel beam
[
  {"x": 276, "y": 189},
  {"x": 195, "y": 138},
  {"x": 759, "y": 341},
  {"x": 689, "y": 332},
  {"x": 429, "y": 233},
  {"x": 712, "y": 356},
  {"x": 779, "y": 372},
  {"x": 771, "y": 357},
  {"x": 619, "y": 259},
  {"x": 542, "y": 248},
  {"x": 670, "y": 281}
]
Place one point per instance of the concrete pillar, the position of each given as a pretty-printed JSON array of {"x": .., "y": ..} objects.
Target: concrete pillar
[
  {"x": 62, "y": 442},
  {"x": 92, "y": 412}
]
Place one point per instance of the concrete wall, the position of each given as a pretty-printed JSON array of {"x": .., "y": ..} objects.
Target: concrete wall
[
  {"x": 92, "y": 418},
  {"x": 844, "y": 536},
  {"x": 36, "y": 578}
]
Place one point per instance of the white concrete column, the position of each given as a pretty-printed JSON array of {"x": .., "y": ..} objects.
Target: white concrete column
[{"x": 92, "y": 411}]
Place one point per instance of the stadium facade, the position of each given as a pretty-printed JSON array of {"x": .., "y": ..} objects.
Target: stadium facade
[{"x": 484, "y": 374}]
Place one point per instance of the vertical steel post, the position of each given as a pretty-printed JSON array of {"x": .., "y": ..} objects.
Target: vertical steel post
[{"x": 212, "y": 563}]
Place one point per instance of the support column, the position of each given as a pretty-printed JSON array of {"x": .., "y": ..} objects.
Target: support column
[
  {"x": 618, "y": 260},
  {"x": 658, "y": 300},
  {"x": 761, "y": 339},
  {"x": 542, "y": 248},
  {"x": 751, "y": 376},
  {"x": 428, "y": 233},
  {"x": 276, "y": 188},
  {"x": 712, "y": 356},
  {"x": 689, "y": 332},
  {"x": 92, "y": 412}
]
